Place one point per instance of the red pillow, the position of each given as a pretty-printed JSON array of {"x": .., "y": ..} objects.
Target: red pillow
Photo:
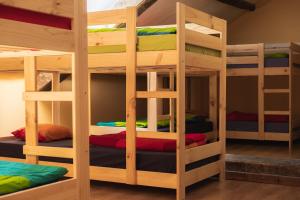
[
  {"x": 277, "y": 118},
  {"x": 46, "y": 133}
]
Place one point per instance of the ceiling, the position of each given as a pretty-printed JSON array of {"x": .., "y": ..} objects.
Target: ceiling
[{"x": 164, "y": 11}]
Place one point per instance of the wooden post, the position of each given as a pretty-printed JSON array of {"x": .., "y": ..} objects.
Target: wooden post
[
  {"x": 261, "y": 94},
  {"x": 291, "y": 117},
  {"x": 152, "y": 102},
  {"x": 80, "y": 101},
  {"x": 31, "y": 118},
  {"x": 56, "y": 104},
  {"x": 172, "y": 103},
  {"x": 180, "y": 104},
  {"x": 131, "y": 96},
  {"x": 222, "y": 102},
  {"x": 213, "y": 103}
]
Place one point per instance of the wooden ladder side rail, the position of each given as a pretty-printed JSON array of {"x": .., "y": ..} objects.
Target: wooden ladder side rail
[{"x": 261, "y": 94}]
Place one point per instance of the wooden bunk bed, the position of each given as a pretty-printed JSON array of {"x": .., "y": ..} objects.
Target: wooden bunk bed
[
  {"x": 24, "y": 35},
  {"x": 252, "y": 60},
  {"x": 177, "y": 64}
]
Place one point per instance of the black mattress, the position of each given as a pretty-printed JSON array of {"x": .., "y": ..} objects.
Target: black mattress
[
  {"x": 194, "y": 126},
  {"x": 252, "y": 126},
  {"x": 107, "y": 157},
  {"x": 269, "y": 62}
]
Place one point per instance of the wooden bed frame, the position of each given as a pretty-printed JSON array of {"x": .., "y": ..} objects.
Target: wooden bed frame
[
  {"x": 16, "y": 38},
  {"x": 261, "y": 72},
  {"x": 174, "y": 63},
  {"x": 177, "y": 64}
]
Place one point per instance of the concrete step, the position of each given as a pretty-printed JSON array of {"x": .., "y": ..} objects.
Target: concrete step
[{"x": 263, "y": 170}]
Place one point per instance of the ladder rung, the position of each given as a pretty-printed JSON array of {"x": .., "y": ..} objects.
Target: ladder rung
[
  {"x": 157, "y": 94},
  {"x": 58, "y": 152},
  {"x": 163, "y": 117},
  {"x": 277, "y": 112},
  {"x": 48, "y": 96},
  {"x": 274, "y": 91},
  {"x": 156, "y": 135}
]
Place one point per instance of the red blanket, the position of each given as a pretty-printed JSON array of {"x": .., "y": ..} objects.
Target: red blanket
[
  {"x": 146, "y": 144},
  {"x": 240, "y": 116},
  {"x": 22, "y": 15}
]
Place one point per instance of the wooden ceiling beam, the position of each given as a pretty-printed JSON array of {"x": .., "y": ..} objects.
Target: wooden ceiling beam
[{"x": 241, "y": 4}]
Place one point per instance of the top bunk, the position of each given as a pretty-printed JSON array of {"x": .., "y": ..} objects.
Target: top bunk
[
  {"x": 204, "y": 37},
  {"x": 35, "y": 28},
  {"x": 272, "y": 58}
]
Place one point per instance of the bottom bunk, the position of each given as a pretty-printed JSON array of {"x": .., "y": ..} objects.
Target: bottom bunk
[
  {"x": 15, "y": 177},
  {"x": 246, "y": 126}
]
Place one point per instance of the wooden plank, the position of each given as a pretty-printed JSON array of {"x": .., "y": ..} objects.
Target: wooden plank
[
  {"x": 202, "y": 173},
  {"x": 277, "y": 136},
  {"x": 60, "y": 190},
  {"x": 107, "y": 17},
  {"x": 202, "y": 152},
  {"x": 48, "y": 96},
  {"x": 213, "y": 103},
  {"x": 242, "y": 135},
  {"x": 244, "y": 48},
  {"x": 108, "y": 174},
  {"x": 156, "y": 179},
  {"x": 157, "y": 94},
  {"x": 107, "y": 38},
  {"x": 204, "y": 19},
  {"x": 80, "y": 119},
  {"x": 203, "y": 61},
  {"x": 131, "y": 64},
  {"x": 31, "y": 113},
  {"x": 48, "y": 151},
  {"x": 35, "y": 36},
  {"x": 243, "y": 60},
  {"x": 147, "y": 58},
  {"x": 276, "y": 71},
  {"x": 172, "y": 102},
  {"x": 152, "y": 104},
  {"x": 56, "y": 108},
  {"x": 276, "y": 91},
  {"x": 103, "y": 130},
  {"x": 181, "y": 11},
  {"x": 54, "y": 7},
  {"x": 203, "y": 40},
  {"x": 295, "y": 47},
  {"x": 157, "y": 135},
  {"x": 277, "y": 112},
  {"x": 260, "y": 93},
  {"x": 242, "y": 72}
]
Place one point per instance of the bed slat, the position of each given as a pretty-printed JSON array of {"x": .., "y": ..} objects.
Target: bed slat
[
  {"x": 202, "y": 152},
  {"x": 107, "y": 17},
  {"x": 203, "y": 61},
  {"x": 48, "y": 96},
  {"x": 48, "y": 151},
  {"x": 35, "y": 36},
  {"x": 203, "y": 40},
  {"x": 63, "y": 8},
  {"x": 107, "y": 38},
  {"x": 202, "y": 173}
]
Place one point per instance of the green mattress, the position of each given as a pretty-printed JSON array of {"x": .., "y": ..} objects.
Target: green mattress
[
  {"x": 150, "y": 39},
  {"x": 15, "y": 177}
]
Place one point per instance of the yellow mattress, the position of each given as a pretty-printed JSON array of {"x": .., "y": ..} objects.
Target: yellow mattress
[{"x": 154, "y": 43}]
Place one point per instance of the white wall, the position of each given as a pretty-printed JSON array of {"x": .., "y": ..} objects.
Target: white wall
[{"x": 11, "y": 103}]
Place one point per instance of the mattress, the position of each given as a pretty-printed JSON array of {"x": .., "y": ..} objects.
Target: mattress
[
  {"x": 107, "y": 157},
  {"x": 15, "y": 177},
  {"x": 252, "y": 126},
  {"x": 269, "y": 62},
  {"x": 150, "y": 39},
  {"x": 22, "y": 15}
]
